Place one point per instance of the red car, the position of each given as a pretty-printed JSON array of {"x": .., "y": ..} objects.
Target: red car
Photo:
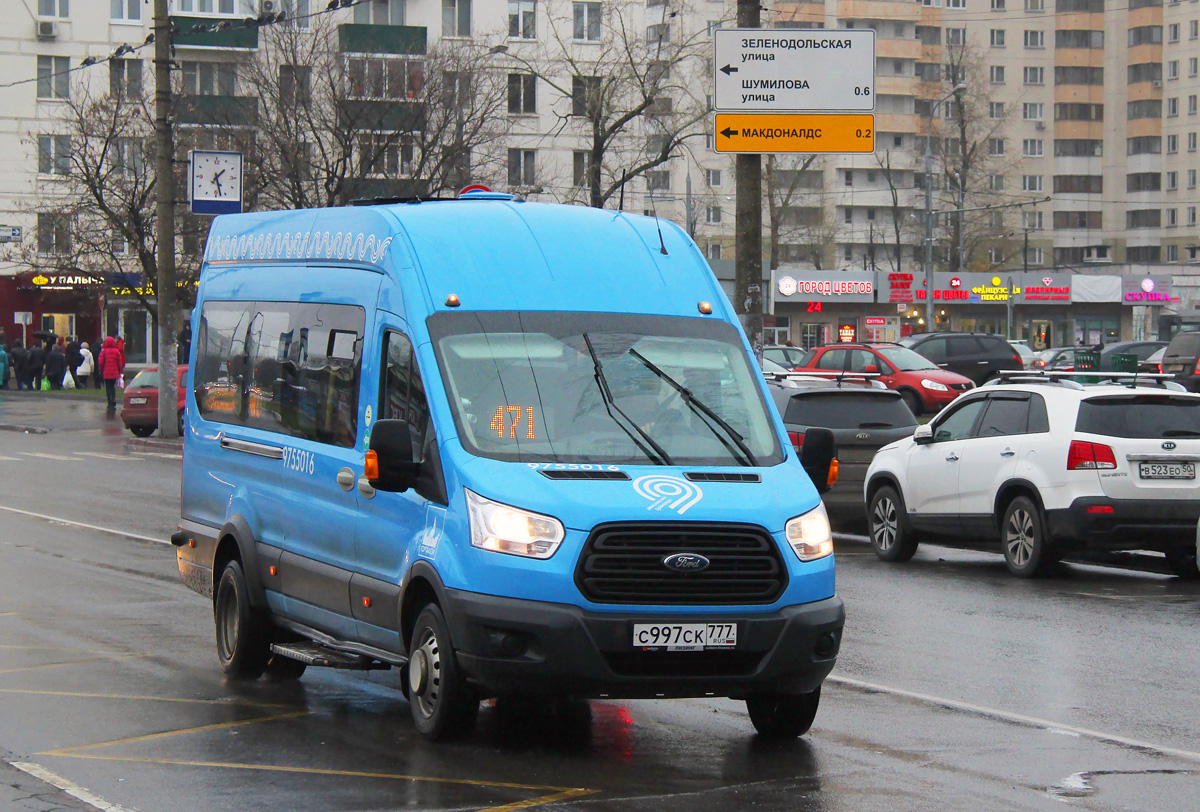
[
  {"x": 924, "y": 386},
  {"x": 139, "y": 409}
]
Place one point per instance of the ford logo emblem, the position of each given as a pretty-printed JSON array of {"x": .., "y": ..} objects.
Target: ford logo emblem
[
  {"x": 685, "y": 562},
  {"x": 1168, "y": 445},
  {"x": 862, "y": 435}
]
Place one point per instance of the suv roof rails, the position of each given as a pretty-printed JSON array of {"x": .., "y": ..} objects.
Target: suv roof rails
[{"x": 1069, "y": 379}]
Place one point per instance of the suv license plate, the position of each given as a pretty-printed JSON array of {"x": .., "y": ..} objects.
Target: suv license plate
[
  {"x": 1167, "y": 470},
  {"x": 684, "y": 636}
]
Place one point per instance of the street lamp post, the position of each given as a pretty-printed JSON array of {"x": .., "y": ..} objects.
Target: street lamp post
[{"x": 961, "y": 86}]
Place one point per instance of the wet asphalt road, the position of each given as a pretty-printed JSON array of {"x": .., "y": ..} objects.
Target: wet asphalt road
[{"x": 958, "y": 687}]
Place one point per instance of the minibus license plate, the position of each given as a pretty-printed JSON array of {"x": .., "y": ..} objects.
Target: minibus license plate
[
  {"x": 136, "y": 401},
  {"x": 685, "y": 636},
  {"x": 1167, "y": 470}
]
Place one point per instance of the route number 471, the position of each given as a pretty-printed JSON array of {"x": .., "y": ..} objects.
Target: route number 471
[{"x": 501, "y": 421}]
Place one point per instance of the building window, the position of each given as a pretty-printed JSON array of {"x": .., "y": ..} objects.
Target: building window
[
  {"x": 521, "y": 168},
  {"x": 295, "y": 85},
  {"x": 956, "y": 36},
  {"x": 383, "y": 154},
  {"x": 372, "y": 12},
  {"x": 1192, "y": 105},
  {"x": 1191, "y": 178},
  {"x": 714, "y": 250},
  {"x": 1172, "y": 181},
  {"x": 1191, "y": 215},
  {"x": 382, "y": 78},
  {"x": 522, "y": 93},
  {"x": 1172, "y": 253},
  {"x": 125, "y": 78},
  {"x": 128, "y": 156},
  {"x": 207, "y": 6},
  {"x": 1193, "y": 67},
  {"x": 1172, "y": 107},
  {"x": 521, "y": 19},
  {"x": 1191, "y": 142},
  {"x": 1033, "y": 111},
  {"x": 1173, "y": 32},
  {"x": 585, "y": 94},
  {"x": 996, "y": 109},
  {"x": 53, "y": 233},
  {"x": 1193, "y": 29},
  {"x": 587, "y": 21},
  {"x": 126, "y": 10},
  {"x": 53, "y": 77},
  {"x": 582, "y": 160},
  {"x": 1035, "y": 76},
  {"x": 995, "y": 146},
  {"x": 1032, "y": 148},
  {"x": 210, "y": 78},
  {"x": 712, "y": 177},
  {"x": 848, "y": 215},
  {"x": 1032, "y": 220},
  {"x": 1035, "y": 5},
  {"x": 998, "y": 5},
  {"x": 956, "y": 3},
  {"x": 1031, "y": 183},
  {"x": 1172, "y": 144},
  {"x": 658, "y": 180},
  {"x": 54, "y": 8},
  {"x": 997, "y": 37},
  {"x": 456, "y": 18},
  {"x": 54, "y": 154},
  {"x": 996, "y": 74},
  {"x": 713, "y": 215},
  {"x": 1035, "y": 39},
  {"x": 997, "y": 183}
]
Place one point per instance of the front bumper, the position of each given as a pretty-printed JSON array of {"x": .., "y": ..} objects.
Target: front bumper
[
  {"x": 521, "y": 646},
  {"x": 1141, "y": 524}
]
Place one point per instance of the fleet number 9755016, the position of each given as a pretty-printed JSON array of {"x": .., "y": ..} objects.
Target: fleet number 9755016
[{"x": 685, "y": 636}]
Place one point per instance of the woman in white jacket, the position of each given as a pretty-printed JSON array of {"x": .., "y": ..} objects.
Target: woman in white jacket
[{"x": 86, "y": 363}]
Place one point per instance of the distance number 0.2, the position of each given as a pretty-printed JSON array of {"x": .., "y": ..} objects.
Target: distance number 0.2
[
  {"x": 863, "y": 133},
  {"x": 862, "y": 91}
]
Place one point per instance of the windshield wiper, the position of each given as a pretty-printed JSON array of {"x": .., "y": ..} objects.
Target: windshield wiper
[
  {"x": 655, "y": 451},
  {"x": 697, "y": 405},
  {"x": 1180, "y": 433}
]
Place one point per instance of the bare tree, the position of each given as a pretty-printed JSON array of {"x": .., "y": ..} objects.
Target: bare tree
[
  {"x": 631, "y": 96},
  {"x": 900, "y": 209},
  {"x": 800, "y": 226},
  {"x": 334, "y": 126}
]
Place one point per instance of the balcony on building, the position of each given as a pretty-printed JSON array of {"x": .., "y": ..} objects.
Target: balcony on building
[
  {"x": 196, "y": 32},
  {"x": 386, "y": 107}
]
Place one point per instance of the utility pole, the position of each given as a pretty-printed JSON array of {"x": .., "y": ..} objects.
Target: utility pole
[
  {"x": 164, "y": 284},
  {"x": 748, "y": 246}
]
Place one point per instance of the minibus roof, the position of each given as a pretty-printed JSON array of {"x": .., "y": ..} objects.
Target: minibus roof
[{"x": 493, "y": 254}]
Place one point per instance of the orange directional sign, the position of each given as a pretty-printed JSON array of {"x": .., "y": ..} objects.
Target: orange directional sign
[{"x": 784, "y": 132}]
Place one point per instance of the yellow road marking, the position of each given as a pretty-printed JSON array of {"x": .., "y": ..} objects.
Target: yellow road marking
[
  {"x": 548, "y": 799},
  {"x": 51, "y": 648},
  {"x": 231, "y": 702},
  {"x": 71, "y": 662},
  {"x": 168, "y": 733}
]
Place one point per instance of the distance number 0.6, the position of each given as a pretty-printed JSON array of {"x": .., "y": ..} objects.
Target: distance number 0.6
[
  {"x": 862, "y": 91},
  {"x": 863, "y": 133}
]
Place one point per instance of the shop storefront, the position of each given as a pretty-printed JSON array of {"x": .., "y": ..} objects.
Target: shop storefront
[
  {"x": 823, "y": 307},
  {"x": 36, "y": 305}
]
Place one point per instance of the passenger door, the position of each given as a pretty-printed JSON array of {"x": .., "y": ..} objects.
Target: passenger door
[
  {"x": 832, "y": 361},
  {"x": 395, "y": 529},
  {"x": 932, "y": 477},
  {"x": 989, "y": 458}
]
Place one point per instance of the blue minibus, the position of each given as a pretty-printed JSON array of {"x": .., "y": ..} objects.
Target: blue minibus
[{"x": 509, "y": 448}]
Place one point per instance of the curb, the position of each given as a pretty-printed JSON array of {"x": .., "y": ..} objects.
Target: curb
[
  {"x": 61, "y": 394},
  {"x": 156, "y": 443},
  {"x": 24, "y": 429}
]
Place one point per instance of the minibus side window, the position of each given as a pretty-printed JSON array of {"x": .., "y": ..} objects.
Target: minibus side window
[
  {"x": 221, "y": 360},
  {"x": 402, "y": 397}
]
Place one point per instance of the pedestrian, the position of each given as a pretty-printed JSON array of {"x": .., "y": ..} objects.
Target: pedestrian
[
  {"x": 109, "y": 366},
  {"x": 72, "y": 353},
  {"x": 97, "y": 378},
  {"x": 35, "y": 362},
  {"x": 17, "y": 362},
  {"x": 185, "y": 343},
  {"x": 86, "y": 363},
  {"x": 3, "y": 367},
  {"x": 56, "y": 366}
]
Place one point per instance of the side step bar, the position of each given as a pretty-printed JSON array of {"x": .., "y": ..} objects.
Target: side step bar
[{"x": 320, "y": 656}]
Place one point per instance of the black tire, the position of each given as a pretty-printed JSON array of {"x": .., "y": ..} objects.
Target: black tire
[
  {"x": 1028, "y": 550},
  {"x": 783, "y": 716},
  {"x": 243, "y": 635},
  {"x": 892, "y": 538},
  {"x": 180, "y": 423},
  {"x": 1182, "y": 561},
  {"x": 913, "y": 401},
  {"x": 142, "y": 431},
  {"x": 444, "y": 706}
]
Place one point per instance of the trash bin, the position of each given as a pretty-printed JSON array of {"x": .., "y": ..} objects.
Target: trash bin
[
  {"x": 1124, "y": 362},
  {"x": 1085, "y": 361}
]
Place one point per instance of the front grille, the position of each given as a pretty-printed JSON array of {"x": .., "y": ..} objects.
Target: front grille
[
  {"x": 618, "y": 475},
  {"x": 622, "y": 563},
  {"x": 683, "y": 663},
  {"x": 716, "y": 476},
  {"x": 962, "y": 387}
]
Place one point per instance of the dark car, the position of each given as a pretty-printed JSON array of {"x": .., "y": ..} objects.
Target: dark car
[
  {"x": 1153, "y": 363},
  {"x": 1060, "y": 359},
  {"x": 978, "y": 356},
  {"x": 139, "y": 409},
  {"x": 1182, "y": 359},
  {"x": 784, "y": 355},
  {"x": 1142, "y": 349},
  {"x": 863, "y": 418},
  {"x": 924, "y": 386}
]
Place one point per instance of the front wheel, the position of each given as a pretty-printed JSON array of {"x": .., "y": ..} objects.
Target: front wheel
[
  {"x": 1028, "y": 551},
  {"x": 891, "y": 537},
  {"x": 443, "y": 705},
  {"x": 243, "y": 636},
  {"x": 783, "y": 716},
  {"x": 912, "y": 400},
  {"x": 1182, "y": 561},
  {"x": 142, "y": 431}
]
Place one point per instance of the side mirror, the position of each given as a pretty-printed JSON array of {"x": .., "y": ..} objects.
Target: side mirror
[
  {"x": 391, "y": 445},
  {"x": 817, "y": 456},
  {"x": 923, "y": 435},
  {"x": 871, "y": 368}
]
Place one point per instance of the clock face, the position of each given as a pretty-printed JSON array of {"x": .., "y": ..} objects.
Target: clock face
[{"x": 216, "y": 182}]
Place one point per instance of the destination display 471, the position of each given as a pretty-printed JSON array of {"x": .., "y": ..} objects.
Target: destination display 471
[{"x": 793, "y": 70}]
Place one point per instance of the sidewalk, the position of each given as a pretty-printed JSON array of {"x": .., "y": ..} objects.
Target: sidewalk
[{"x": 21, "y": 792}]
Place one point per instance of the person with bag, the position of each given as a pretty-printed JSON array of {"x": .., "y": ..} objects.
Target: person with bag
[
  {"x": 35, "y": 362},
  {"x": 86, "y": 363},
  {"x": 4, "y": 363},
  {"x": 56, "y": 367},
  {"x": 110, "y": 366},
  {"x": 17, "y": 360}
]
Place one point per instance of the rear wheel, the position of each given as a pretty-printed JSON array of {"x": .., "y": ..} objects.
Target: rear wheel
[
  {"x": 1182, "y": 561},
  {"x": 443, "y": 705},
  {"x": 891, "y": 537},
  {"x": 142, "y": 431},
  {"x": 243, "y": 635},
  {"x": 912, "y": 400},
  {"x": 783, "y": 716},
  {"x": 1028, "y": 551}
]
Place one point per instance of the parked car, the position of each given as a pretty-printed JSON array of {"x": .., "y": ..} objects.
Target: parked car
[
  {"x": 1142, "y": 349},
  {"x": 1061, "y": 359},
  {"x": 1045, "y": 469},
  {"x": 863, "y": 418},
  {"x": 784, "y": 355},
  {"x": 924, "y": 386},
  {"x": 1153, "y": 363},
  {"x": 978, "y": 356},
  {"x": 139, "y": 409},
  {"x": 1182, "y": 359},
  {"x": 1025, "y": 351}
]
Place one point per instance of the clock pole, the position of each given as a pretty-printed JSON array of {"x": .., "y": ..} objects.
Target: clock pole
[{"x": 164, "y": 283}]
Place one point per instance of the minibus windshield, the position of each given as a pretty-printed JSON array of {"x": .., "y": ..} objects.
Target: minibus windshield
[{"x": 602, "y": 388}]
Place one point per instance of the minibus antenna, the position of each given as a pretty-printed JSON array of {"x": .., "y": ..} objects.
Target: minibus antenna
[{"x": 662, "y": 246}]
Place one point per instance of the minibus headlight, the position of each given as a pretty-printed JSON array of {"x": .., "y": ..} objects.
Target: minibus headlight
[
  {"x": 505, "y": 529},
  {"x": 809, "y": 534}
]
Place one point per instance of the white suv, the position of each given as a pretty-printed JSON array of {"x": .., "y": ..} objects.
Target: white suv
[{"x": 1046, "y": 467}]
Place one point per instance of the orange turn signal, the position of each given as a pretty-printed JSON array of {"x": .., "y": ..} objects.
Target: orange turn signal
[
  {"x": 274, "y": 570},
  {"x": 366, "y": 602},
  {"x": 705, "y": 308},
  {"x": 192, "y": 543},
  {"x": 371, "y": 466},
  {"x": 833, "y": 473}
]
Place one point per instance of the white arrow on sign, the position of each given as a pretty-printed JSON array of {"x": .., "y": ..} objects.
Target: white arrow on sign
[{"x": 793, "y": 70}]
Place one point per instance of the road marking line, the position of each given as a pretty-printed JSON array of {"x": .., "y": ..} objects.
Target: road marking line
[
  {"x": 121, "y": 533},
  {"x": 169, "y": 733},
  {"x": 1032, "y": 721},
  {"x": 10, "y": 459},
  {"x": 70, "y": 787},
  {"x": 547, "y": 799},
  {"x": 233, "y": 703},
  {"x": 105, "y": 456},
  {"x": 71, "y": 662},
  {"x": 46, "y": 456}
]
